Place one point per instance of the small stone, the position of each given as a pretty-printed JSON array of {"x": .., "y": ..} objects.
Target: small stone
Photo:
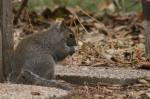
[
  {"x": 35, "y": 93},
  {"x": 97, "y": 96},
  {"x": 142, "y": 81}
]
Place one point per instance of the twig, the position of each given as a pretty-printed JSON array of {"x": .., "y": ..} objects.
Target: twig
[
  {"x": 88, "y": 15},
  {"x": 88, "y": 45}
]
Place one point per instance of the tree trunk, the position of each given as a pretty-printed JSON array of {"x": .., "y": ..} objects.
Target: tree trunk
[
  {"x": 6, "y": 38},
  {"x": 146, "y": 10},
  {"x": 1, "y": 69}
]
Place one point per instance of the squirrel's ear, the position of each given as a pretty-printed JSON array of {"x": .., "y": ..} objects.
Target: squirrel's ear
[{"x": 60, "y": 22}]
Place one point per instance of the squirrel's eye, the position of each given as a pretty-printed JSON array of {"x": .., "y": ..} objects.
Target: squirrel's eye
[{"x": 70, "y": 35}]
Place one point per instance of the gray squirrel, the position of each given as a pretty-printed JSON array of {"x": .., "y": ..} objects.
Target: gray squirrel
[{"x": 35, "y": 57}]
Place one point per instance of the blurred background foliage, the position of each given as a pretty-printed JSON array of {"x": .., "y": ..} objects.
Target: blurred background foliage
[{"x": 89, "y": 5}]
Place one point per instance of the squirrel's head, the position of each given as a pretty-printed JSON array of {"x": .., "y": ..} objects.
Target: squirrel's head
[
  {"x": 64, "y": 38},
  {"x": 67, "y": 32}
]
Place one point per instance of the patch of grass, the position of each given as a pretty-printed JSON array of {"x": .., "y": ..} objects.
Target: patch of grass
[
  {"x": 131, "y": 6},
  {"x": 85, "y": 4},
  {"x": 39, "y": 4},
  {"x": 90, "y": 5}
]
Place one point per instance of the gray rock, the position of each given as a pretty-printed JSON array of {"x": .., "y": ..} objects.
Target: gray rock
[{"x": 81, "y": 74}]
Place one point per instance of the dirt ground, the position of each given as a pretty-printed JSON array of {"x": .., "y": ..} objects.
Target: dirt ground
[{"x": 137, "y": 91}]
